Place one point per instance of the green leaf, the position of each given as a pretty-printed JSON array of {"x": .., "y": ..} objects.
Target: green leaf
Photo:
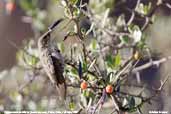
[
  {"x": 34, "y": 60},
  {"x": 131, "y": 101},
  {"x": 26, "y": 4},
  {"x": 110, "y": 77},
  {"x": 94, "y": 44},
  {"x": 71, "y": 105},
  {"x": 30, "y": 60},
  {"x": 61, "y": 47},
  {"x": 73, "y": 2},
  {"x": 120, "y": 21},
  {"x": 76, "y": 12},
  {"x": 90, "y": 77},
  {"x": 84, "y": 66},
  {"x": 142, "y": 44},
  {"x": 109, "y": 4},
  {"x": 117, "y": 60},
  {"x": 67, "y": 12},
  {"x": 91, "y": 94},
  {"x": 147, "y": 8},
  {"x": 132, "y": 110},
  {"x": 85, "y": 93},
  {"x": 140, "y": 8},
  {"x": 110, "y": 61},
  {"x": 74, "y": 71},
  {"x": 133, "y": 27},
  {"x": 113, "y": 61},
  {"x": 125, "y": 39},
  {"x": 88, "y": 94},
  {"x": 83, "y": 31}
]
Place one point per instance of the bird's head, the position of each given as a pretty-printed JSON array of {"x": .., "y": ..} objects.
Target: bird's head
[{"x": 44, "y": 40}]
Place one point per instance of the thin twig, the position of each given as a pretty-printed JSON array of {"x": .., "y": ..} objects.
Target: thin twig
[{"x": 151, "y": 63}]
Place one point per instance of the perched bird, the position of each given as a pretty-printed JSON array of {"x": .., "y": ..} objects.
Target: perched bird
[{"x": 52, "y": 61}]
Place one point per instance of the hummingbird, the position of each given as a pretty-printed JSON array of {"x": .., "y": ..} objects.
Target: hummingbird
[{"x": 52, "y": 61}]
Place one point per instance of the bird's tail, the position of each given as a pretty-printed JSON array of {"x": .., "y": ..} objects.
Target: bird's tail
[{"x": 61, "y": 89}]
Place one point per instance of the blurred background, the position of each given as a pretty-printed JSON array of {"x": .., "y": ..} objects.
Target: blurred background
[{"x": 15, "y": 29}]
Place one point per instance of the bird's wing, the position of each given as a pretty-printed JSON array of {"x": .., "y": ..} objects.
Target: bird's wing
[
  {"x": 54, "y": 68},
  {"x": 58, "y": 66},
  {"x": 59, "y": 69},
  {"x": 47, "y": 62}
]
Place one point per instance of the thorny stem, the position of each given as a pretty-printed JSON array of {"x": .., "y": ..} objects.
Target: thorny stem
[
  {"x": 145, "y": 99},
  {"x": 151, "y": 63}
]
